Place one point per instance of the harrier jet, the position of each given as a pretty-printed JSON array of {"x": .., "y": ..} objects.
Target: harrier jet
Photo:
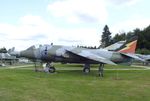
[{"x": 66, "y": 54}]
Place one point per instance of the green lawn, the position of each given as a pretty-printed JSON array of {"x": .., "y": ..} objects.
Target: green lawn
[{"x": 72, "y": 85}]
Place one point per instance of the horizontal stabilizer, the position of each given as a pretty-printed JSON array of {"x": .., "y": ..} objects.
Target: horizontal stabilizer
[{"x": 133, "y": 56}]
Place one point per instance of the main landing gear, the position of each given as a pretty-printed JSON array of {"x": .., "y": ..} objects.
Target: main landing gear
[
  {"x": 101, "y": 70},
  {"x": 86, "y": 69}
]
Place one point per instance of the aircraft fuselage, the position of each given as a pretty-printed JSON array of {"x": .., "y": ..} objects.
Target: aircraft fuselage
[{"x": 56, "y": 53}]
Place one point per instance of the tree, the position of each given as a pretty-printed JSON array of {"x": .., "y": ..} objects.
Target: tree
[
  {"x": 143, "y": 51},
  {"x": 106, "y": 37},
  {"x": 119, "y": 37}
]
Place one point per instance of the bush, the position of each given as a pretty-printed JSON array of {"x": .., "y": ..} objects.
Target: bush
[{"x": 143, "y": 51}]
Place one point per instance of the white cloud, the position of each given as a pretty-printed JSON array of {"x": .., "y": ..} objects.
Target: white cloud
[
  {"x": 29, "y": 31},
  {"x": 132, "y": 2},
  {"x": 70, "y": 10},
  {"x": 123, "y": 2},
  {"x": 34, "y": 30},
  {"x": 6, "y": 28},
  {"x": 131, "y": 24},
  {"x": 36, "y": 26},
  {"x": 83, "y": 36},
  {"x": 31, "y": 25},
  {"x": 27, "y": 26}
]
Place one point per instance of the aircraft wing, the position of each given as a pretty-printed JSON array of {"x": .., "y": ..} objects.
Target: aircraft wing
[
  {"x": 133, "y": 56},
  {"x": 90, "y": 56}
]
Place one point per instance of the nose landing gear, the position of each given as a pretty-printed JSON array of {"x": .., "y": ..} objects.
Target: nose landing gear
[{"x": 49, "y": 68}]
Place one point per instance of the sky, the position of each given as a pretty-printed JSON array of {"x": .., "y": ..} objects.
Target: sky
[{"x": 67, "y": 22}]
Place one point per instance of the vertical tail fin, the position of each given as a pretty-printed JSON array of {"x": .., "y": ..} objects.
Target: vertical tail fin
[
  {"x": 115, "y": 46},
  {"x": 129, "y": 46}
]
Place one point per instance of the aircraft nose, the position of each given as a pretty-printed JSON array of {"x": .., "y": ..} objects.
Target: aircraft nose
[
  {"x": 15, "y": 53},
  {"x": 27, "y": 53}
]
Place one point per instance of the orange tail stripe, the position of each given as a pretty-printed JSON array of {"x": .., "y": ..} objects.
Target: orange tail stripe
[{"x": 130, "y": 48}]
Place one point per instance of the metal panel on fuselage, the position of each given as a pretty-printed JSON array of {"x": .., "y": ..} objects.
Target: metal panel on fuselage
[{"x": 121, "y": 59}]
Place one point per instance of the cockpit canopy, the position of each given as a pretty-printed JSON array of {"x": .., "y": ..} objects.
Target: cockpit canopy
[
  {"x": 34, "y": 47},
  {"x": 37, "y": 46}
]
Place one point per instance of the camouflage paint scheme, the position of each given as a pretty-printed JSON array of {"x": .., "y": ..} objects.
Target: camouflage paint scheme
[
  {"x": 145, "y": 57},
  {"x": 66, "y": 54}
]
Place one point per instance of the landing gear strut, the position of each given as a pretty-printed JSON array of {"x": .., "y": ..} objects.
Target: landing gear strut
[
  {"x": 101, "y": 70},
  {"x": 86, "y": 68},
  {"x": 35, "y": 67},
  {"x": 38, "y": 65}
]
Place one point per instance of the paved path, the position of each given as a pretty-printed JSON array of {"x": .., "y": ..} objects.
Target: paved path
[
  {"x": 146, "y": 67},
  {"x": 142, "y": 68},
  {"x": 97, "y": 69},
  {"x": 12, "y": 67}
]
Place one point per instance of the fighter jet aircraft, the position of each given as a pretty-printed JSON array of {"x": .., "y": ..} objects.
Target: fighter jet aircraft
[{"x": 67, "y": 54}]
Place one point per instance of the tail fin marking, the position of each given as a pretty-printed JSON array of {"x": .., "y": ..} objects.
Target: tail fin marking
[{"x": 129, "y": 48}]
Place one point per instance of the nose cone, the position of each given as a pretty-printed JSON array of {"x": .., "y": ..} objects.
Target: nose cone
[
  {"x": 27, "y": 54},
  {"x": 15, "y": 53}
]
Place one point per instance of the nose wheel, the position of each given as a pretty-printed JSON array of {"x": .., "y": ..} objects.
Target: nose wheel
[
  {"x": 49, "y": 68},
  {"x": 52, "y": 69}
]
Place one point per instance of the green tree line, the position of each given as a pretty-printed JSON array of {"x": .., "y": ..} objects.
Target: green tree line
[{"x": 143, "y": 44}]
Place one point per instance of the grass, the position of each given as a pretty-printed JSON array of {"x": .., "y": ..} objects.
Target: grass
[
  {"x": 72, "y": 85},
  {"x": 94, "y": 66}
]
